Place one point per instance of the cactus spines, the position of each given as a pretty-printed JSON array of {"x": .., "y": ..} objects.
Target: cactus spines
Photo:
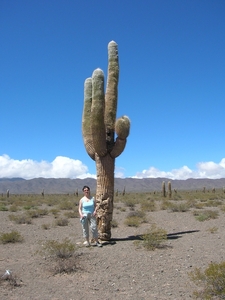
[{"x": 99, "y": 126}]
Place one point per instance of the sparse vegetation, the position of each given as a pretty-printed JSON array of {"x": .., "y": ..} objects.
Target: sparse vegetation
[
  {"x": 63, "y": 256},
  {"x": 213, "y": 229},
  {"x": 11, "y": 237},
  {"x": 137, "y": 211},
  {"x": 3, "y": 207},
  {"x": 179, "y": 207},
  {"x": 205, "y": 215},
  {"x": 211, "y": 281},
  {"x": 21, "y": 219},
  {"x": 64, "y": 249},
  {"x": 153, "y": 238},
  {"x": 62, "y": 222},
  {"x": 135, "y": 218},
  {"x": 148, "y": 205}
]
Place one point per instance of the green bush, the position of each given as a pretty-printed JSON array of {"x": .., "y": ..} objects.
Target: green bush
[
  {"x": 165, "y": 204},
  {"x": 135, "y": 218},
  {"x": 62, "y": 222},
  {"x": 205, "y": 215},
  {"x": 13, "y": 208},
  {"x": 37, "y": 213},
  {"x": 179, "y": 207},
  {"x": 11, "y": 237},
  {"x": 148, "y": 205},
  {"x": 211, "y": 281},
  {"x": 20, "y": 219},
  {"x": 154, "y": 238},
  {"x": 132, "y": 221},
  {"x": 3, "y": 207},
  {"x": 64, "y": 249},
  {"x": 213, "y": 203}
]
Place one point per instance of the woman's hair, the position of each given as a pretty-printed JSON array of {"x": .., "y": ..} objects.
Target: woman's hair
[{"x": 85, "y": 187}]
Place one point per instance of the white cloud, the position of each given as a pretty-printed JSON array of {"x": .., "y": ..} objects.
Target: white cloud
[
  {"x": 60, "y": 167},
  {"x": 64, "y": 167},
  {"x": 209, "y": 169}
]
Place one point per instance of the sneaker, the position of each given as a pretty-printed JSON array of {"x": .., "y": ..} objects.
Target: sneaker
[
  {"x": 87, "y": 245},
  {"x": 98, "y": 244}
]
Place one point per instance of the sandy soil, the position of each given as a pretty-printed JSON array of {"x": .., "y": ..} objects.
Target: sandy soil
[{"x": 118, "y": 270}]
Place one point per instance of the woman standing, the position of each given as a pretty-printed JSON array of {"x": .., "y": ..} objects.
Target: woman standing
[{"x": 87, "y": 211}]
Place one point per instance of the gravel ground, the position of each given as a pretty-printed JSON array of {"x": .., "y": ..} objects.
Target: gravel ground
[{"x": 118, "y": 270}]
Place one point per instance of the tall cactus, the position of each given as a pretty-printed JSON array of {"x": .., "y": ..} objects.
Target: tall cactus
[{"x": 99, "y": 126}]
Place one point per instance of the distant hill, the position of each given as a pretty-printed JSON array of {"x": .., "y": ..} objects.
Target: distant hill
[{"x": 65, "y": 185}]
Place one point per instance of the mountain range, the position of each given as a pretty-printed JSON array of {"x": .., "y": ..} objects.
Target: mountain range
[{"x": 67, "y": 186}]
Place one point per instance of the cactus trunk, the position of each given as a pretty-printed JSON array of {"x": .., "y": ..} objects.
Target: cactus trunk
[{"x": 104, "y": 194}]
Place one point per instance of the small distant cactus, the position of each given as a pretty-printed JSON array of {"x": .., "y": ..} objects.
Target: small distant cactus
[
  {"x": 169, "y": 189},
  {"x": 163, "y": 189},
  {"x": 124, "y": 191},
  {"x": 7, "y": 193}
]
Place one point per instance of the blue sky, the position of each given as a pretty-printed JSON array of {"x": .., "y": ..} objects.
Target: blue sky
[{"x": 171, "y": 86}]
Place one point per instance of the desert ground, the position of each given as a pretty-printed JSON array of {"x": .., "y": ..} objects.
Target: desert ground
[{"x": 122, "y": 268}]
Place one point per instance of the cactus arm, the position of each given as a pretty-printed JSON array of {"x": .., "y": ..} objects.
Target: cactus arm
[
  {"x": 122, "y": 128},
  {"x": 86, "y": 118},
  {"x": 118, "y": 147},
  {"x": 97, "y": 113},
  {"x": 111, "y": 92}
]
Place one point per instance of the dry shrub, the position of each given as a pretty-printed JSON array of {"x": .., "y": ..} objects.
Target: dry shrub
[
  {"x": 64, "y": 249},
  {"x": 205, "y": 215},
  {"x": 11, "y": 237},
  {"x": 154, "y": 238},
  {"x": 148, "y": 205},
  {"x": 21, "y": 219},
  {"x": 211, "y": 281},
  {"x": 62, "y": 222},
  {"x": 135, "y": 218},
  {"x": 63, "y": 256}
]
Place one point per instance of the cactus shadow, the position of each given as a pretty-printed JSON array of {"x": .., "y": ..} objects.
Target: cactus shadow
[{"x": 139, "y": 237}]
